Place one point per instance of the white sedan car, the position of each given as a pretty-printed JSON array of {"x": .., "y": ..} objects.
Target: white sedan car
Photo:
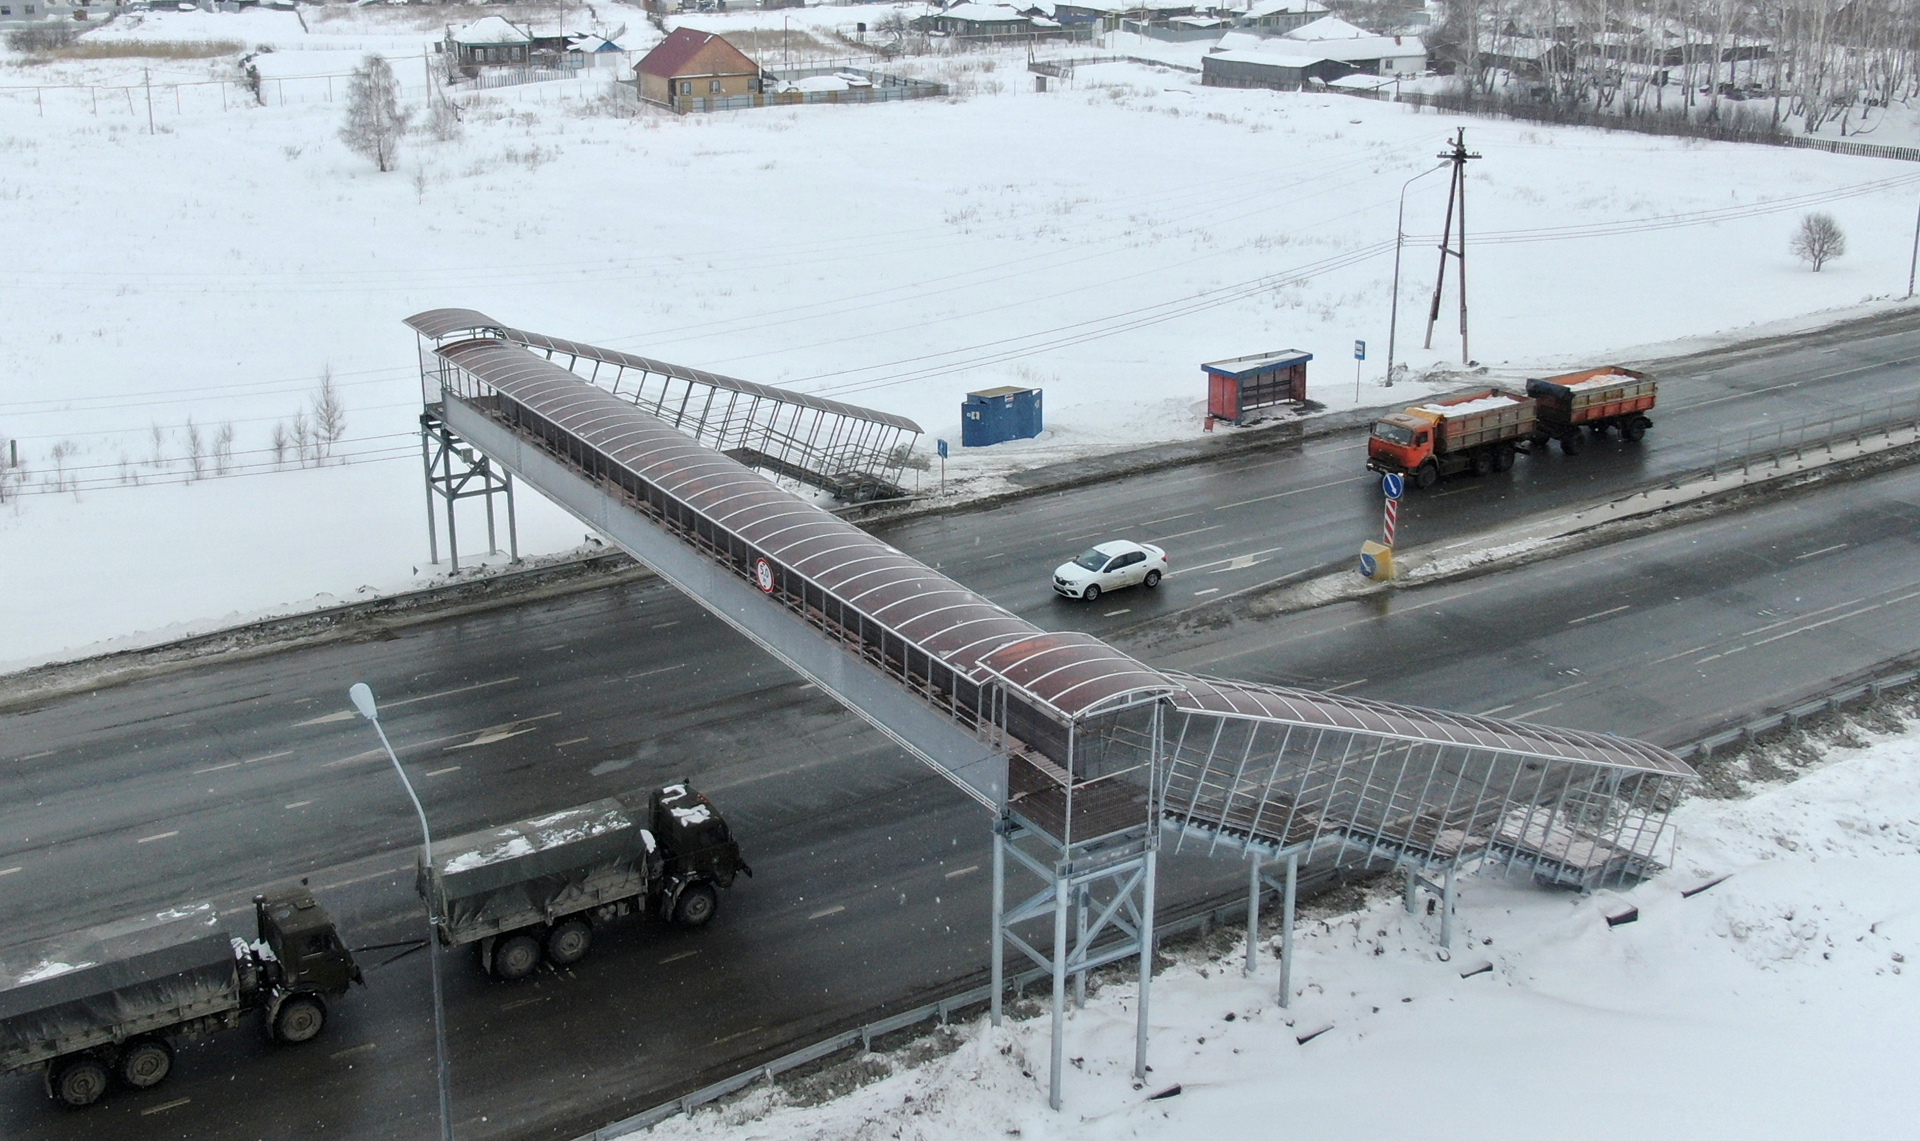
[{"x": 1108, "y": 566}]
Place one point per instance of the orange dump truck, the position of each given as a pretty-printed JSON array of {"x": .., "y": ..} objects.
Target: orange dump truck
[{"x": 1482, "y": 430}]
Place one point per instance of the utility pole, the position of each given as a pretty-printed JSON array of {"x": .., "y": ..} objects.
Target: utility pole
[
  {"x": 1456, "y": 192},
  {"x": 1913, "y": 263},
  {"x": 146, "y": 80}
]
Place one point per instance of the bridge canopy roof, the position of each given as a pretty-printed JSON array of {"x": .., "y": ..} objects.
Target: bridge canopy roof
[{"x": 1259, "y": 701}]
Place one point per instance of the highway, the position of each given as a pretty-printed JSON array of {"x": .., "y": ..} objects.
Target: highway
[{"x": 870, "y": 889}]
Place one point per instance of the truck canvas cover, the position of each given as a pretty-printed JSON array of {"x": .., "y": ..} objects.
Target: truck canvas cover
[
  {"x": 109, "y": 982},
  {"x": 535, "y": 869}
]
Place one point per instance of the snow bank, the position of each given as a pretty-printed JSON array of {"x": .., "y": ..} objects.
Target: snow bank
[{"x": 1773, "y": 1005}]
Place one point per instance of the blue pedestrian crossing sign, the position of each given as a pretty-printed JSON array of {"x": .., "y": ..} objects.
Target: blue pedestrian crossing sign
[
  {"x": 942, "y": 445},
  {"x": 1359, "y": 350},
  {"x": 1394, "y": 484}
]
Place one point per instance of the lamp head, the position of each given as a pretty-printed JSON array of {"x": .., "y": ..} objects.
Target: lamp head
[{"x": 363, "y": 701}]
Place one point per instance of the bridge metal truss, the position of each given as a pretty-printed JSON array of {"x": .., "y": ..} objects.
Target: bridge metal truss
[
  {"x": 855, "y": 454},
  {"x": 1087, "y": 757}
]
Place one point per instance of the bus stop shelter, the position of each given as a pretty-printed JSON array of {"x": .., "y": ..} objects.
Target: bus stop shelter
[{"x": 1240, "y": 385}]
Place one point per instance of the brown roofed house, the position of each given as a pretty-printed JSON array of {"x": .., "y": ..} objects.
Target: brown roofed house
[{"x": 689, "y": 67}]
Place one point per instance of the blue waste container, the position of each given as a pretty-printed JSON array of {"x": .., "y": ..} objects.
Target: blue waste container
[{"x": 996, "y": 415}]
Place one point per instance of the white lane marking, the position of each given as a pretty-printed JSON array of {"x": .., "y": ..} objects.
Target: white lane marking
[
  {"x": 826, "y": 911},
  {"x": 1728, "y": 653},
  {"x": 1255, "y": 555},
  {"x": 298, "y": 804},
  {"x": 989, "y": 558},
  {"x": 1803, "y": 617},
  {"x": 37, "y": 756},
  {"x": 443, "y": 772},
  {"x": 1183, "y": 534},
  {"x": 1822, "y": 551},
  {"x": 1242, "y": 562},
  {"x": 958, "y": 872},
  {"x": 8, "y": 871},
  {"x": 350, "y": 1051},
  {"x": 1295, "y": 491},
  {"x": 365, "y": 878},
  {"x": 1535, "y": 712},
  {"x": 664, "y": 625},
  {"x": 157, "y": 836},
  {"x": 1496, "y": 709},
  {"x": 1835, "y": 618},
  {"x": 1117, "y": 613},
  {"x": 1169, "y": 518},
  {"x": 1346, "y": 685},
  {"x": 1681, "y": 654},
  {"x": 348, "y": 714},
  {"x": 570, "y": 741},
  {"x": 678, "y": 957},
  {"x": 1209, "y": 590},
  {"x": 176, "y": 1103},
  {"x": 650, "y": 673},
  {"x": 217, "y": 768},
  {"x": 552, "y": 648},
  {"x": 501, "y": 732},
  {"x": 268, "y": 757},
  {"x": 1599, "y": 614},
  {"x": 522, "y": 1002}
]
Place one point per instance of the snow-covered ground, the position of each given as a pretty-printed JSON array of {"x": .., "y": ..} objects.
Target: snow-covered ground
[
  {"x": 1778, "y": 1004},
  {"x": 1099, "y": 241}
]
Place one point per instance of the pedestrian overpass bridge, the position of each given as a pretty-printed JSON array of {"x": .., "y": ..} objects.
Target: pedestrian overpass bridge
[{"x": 1087, "y": 759}]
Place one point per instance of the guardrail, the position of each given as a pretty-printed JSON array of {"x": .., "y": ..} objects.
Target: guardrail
[
  {"x": 1853, "y": 423},
  {"x": 1791, "y": 717}
]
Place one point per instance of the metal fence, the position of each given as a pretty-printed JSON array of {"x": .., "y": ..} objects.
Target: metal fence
[
  {"x": 881, "y": 87},
  {"x": 1761, "y": 448}
]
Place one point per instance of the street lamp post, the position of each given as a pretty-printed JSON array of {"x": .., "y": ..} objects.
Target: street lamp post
[
  {"x": 1399, "y": 237},
  {"x": 363, "y": 701}
]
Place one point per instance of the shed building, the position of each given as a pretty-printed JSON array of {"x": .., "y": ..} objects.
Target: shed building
[{"x": 492, "y": 42}]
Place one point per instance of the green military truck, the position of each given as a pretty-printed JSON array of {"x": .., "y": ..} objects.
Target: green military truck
[
  {"x": 112, "y": 1001},
  {"x": 535, "y": 890}
]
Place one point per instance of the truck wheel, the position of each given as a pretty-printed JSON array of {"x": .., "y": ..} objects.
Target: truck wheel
[
  {"x": 1483, "y": 462},
  {"x": 146, "y": 1064},
  {"x": 515, "y": 957},
  {"x": 567, "y": 944},
  {"x": 1632, "y": 430},
  {"x": 1092, "y": 592},
  {"x": 1426, "y": 475},
  {"x": 1573, "y": 442},
  {"x": 1152, "y": 580},
  {"x": 79, "y": 1082},
  {"x": 1503, "y": 459},
  {"x": 696, "y": 906},
  {"x": 299, "y": 1019}
]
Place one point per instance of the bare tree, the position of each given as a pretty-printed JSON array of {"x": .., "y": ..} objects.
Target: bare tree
[
  {"x": 280, "y": 442},
  {"x": 375, "y": 119},
  {"x": 329, "y": 417},
  {"x": 196, "y": 449},
  {"x": 157, "y": 439},
  {"x": 302, "y": 436},
  {"x": 1818, "y": 240},
  {"x": 223, "y": 449},
  {"x": 60, "y": 453}
]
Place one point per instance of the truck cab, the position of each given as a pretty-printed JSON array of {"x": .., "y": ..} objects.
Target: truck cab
[
  {"x": 302, "y": 938},
  {"x": 1400, "y": 443},
  {"x": 697, "y": 852}
]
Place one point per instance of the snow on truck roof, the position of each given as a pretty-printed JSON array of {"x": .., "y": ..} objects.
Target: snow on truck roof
[
  {"x": 525, "y": 837},
  {"x": 175, "y": 938},
  {"x": 1605, "y": 377},
  {"x": 1485, "y": 403}
]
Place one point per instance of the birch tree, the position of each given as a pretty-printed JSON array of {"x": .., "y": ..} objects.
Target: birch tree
[{"x": 375, "y": 119}]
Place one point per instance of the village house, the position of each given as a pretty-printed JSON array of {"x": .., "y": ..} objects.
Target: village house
[
  {"x": 688, "y": 68},
  {"x": 1277, "y": 16},
  {"x": 491, "y": 42},
  {"x": 978, "y": 22}
]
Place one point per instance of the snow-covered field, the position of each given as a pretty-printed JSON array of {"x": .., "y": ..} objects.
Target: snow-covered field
[
  {"x": 1778, "y": 1004},
  {"x": 1098, "y": 241}
]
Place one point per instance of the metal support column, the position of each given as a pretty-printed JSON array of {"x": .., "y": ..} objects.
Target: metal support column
[
  {"x": 474, "y": 475},
  {"x": 1446, "y": 911},
  {"x": 1062, "y": 889},
  {"x": 999, "y": 915},
  {"x": 1253, "y": 910},
  {"x": 1411, "y": 890},
  {"x": 1286, "y": 929},
  {"x": 1140, "y": 1029}
]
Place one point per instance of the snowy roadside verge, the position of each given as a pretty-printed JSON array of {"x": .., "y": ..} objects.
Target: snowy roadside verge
[{"x": 1761, "y": 1007}]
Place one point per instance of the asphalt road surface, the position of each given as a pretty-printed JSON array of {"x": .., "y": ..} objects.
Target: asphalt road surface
[{"x": 871, "y": 889}]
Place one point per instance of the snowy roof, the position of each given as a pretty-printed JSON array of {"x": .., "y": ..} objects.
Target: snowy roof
[
  {"x": 983, "y": 13},
  {"x": 1258, "y": 362},
  {"x": 1270, "y": 59},
  {"x": 1361, "y": 82},
  {"x": 1197, "y": 21},
  {"x": 492, "y": 30},
  {"x": 672, "y": 54},
  {"x": 1328, "y": 28},
  {"x": 1284, "y": 7}
]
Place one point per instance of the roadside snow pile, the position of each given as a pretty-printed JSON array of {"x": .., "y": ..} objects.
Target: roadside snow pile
[{"x": 1772, "y": 1005}]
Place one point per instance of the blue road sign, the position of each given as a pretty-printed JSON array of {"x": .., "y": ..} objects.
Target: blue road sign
[
  {"x": 1359, "y": 350},
  {"x": 942, "y": 445},
  {"x": 1393, "y": 484},
  {"x": 1368, "y": 567}
]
